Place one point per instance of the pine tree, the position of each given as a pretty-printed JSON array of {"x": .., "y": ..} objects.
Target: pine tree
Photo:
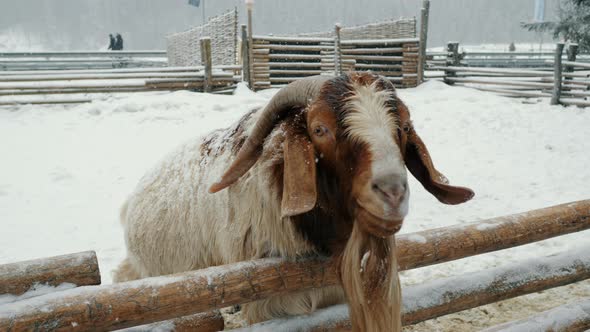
[{"x": 573, "y": 24}]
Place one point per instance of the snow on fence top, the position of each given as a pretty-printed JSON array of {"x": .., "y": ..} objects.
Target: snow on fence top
[
  {"x": 404, "y": 28},
  {"x": 184, "y": 48}
]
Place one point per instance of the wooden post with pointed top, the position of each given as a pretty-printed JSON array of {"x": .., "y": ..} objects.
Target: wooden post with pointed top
[
  {"x": 423, "y": 39},
  {"x": 246, "y": 57},
  {"x": 337, "y": 51},
  {"x": 206, "y": 60}
]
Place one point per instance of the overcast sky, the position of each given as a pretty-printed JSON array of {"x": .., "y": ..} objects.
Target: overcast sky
[{"x": 85, "y": 24}]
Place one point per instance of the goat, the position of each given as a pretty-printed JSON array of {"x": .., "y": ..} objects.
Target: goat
[{"x": 320, "y": 170}]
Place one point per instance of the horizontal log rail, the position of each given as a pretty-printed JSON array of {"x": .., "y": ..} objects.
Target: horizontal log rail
[
  {"x": 116, "y": 71},
  {"x": 160, "y": 298},
  {"x": 566, "y": 318},
  {"x": 109, "y": 76},
  {"x": 64, "y": 54},
  {"x": 211, "y": 321},
  {"x": 284, "y": 47},
  {"x": 155, "y": 299},
  {"x": 380, "y": 41},
  {"x": 259, "y": 39},
  {"x": 493, "y": 70},
  {"x": 80, "y": 269},
  {"x": 45, "y": 102},
  {"x": 574, "y": 102},
  {"x": 76, "y": 91},
  {"x": 453, "y": 294},
  {"x": 501, "y": 82},
  {"x": 514, "y": 93}
]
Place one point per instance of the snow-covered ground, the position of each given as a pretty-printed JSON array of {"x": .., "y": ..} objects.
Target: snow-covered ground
[{"x": 65, "y": 170}]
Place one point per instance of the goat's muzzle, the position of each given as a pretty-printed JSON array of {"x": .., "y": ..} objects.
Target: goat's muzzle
[{"x": 377, "y": 226}]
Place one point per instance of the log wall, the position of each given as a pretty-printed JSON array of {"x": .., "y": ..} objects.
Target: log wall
[{"x": 278, "y": 61}]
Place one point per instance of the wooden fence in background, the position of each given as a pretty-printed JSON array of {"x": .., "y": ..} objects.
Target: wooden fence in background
[
  {"x": 564, "y": 77},
  {"x": 198, "y": 294},
  {"x": 10, "y": 61},
  {"x": 277, "y": 61},
  {"x": 19, "y": 86}
]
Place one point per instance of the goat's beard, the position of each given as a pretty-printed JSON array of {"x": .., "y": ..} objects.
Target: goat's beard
[{"x": 370, "y": 280}]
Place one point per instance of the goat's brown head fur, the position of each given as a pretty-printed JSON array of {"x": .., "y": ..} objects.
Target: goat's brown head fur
[{"x": 348, "y": 143}]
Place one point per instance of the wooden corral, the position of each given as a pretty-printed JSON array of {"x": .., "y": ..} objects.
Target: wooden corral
[
  {"x": 110, "y": 307},
  {"x": 278, "y": 61}
]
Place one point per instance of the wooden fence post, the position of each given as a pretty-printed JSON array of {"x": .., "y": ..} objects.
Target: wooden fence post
[
  {"x": 337, "y": 51},
  {"x": 246, "y": 57},
  {"x": 557, "y": 74},
  {"x": 249, "y": 7},
  {"x": 572, "y": 52},
  {"x": 206, "y": 60},
  {"x": 452, "y": 60},
  {"x": 423, "y": 39}
]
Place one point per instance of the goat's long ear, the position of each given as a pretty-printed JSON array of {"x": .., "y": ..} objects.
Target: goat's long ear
[
  {"x": 299, "y": 175},
  {"x": 420, "y": 165}
]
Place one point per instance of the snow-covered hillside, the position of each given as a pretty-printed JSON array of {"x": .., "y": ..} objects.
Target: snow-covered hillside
[{"x": 66, "y": 170}]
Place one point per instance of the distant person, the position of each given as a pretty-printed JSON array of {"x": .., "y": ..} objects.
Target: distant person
[
  {"x": 111, "y": 42},
  {"x": 512, "y": 47},
  {"x": 118, "y": 43}
]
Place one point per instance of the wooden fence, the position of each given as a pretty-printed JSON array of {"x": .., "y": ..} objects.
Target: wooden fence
[
  {"x": 81, "y": 60},
  {"x": 17, "y": 87},
  {"x": 566, "y": 82},
  {"x": 271, "y": 61},
  {"x": 197, "y": 295}
]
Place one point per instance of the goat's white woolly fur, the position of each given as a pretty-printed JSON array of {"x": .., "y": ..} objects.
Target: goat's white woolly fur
[{"x": 172, "y": 224}]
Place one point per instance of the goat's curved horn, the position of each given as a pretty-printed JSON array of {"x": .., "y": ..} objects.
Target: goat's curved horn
[{"x": 297, "y": 94}]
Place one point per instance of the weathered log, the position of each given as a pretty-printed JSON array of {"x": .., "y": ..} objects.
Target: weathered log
[
  {"x": 450, "y": 243},
  {"x": 391, "y": 58},
  {"x": 246, "y": 68},
  {"x": 453, "y": 294},
  {"x": 155, "y": 299},
  {"x": 283, "y": 47},
  {"x": 493, "y": 70},
  {"x": 44, "y": 102},
  {"x": 204, "y": 322},
  {"x": 79, "y": 269},
  {"x": 294, "y": 56},
  {"x": 258, "y": 39},
  {"x": 500, "y": 82},
  {"x": 99, "y": 308},
  {"x": 556, "y": 94},
  {"x": 513, "y": 93},
  {"x": 425, "y": 13},
  {"x": 566, "y": 318},
  {"x": 293, "y": 64},
  {"x": 577, "y": 64},
  {"x": 574, "y": 102},
  {"x": 75, "y": 91},
  {"x": 379, "y": 50},
  {"x": 207, "y": 62},
  {"x": 385, "y": 42}
]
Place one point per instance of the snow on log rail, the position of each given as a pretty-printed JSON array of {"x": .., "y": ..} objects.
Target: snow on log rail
[
  {"x": 569, "y": 317},
  {"x": 80, "y": 269},
  {"x": 453, "y": 294},
  {"x": 99, "y": 308},
  {"x": 160, "y": 298}
]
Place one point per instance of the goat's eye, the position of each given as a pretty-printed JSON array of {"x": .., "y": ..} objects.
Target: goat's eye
[
  {"x": 406, "y": 128},
  {"x": 320, "y": 130}
]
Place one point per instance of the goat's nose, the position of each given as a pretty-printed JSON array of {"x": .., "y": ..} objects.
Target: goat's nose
[{"x": 391, "y": 188}]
